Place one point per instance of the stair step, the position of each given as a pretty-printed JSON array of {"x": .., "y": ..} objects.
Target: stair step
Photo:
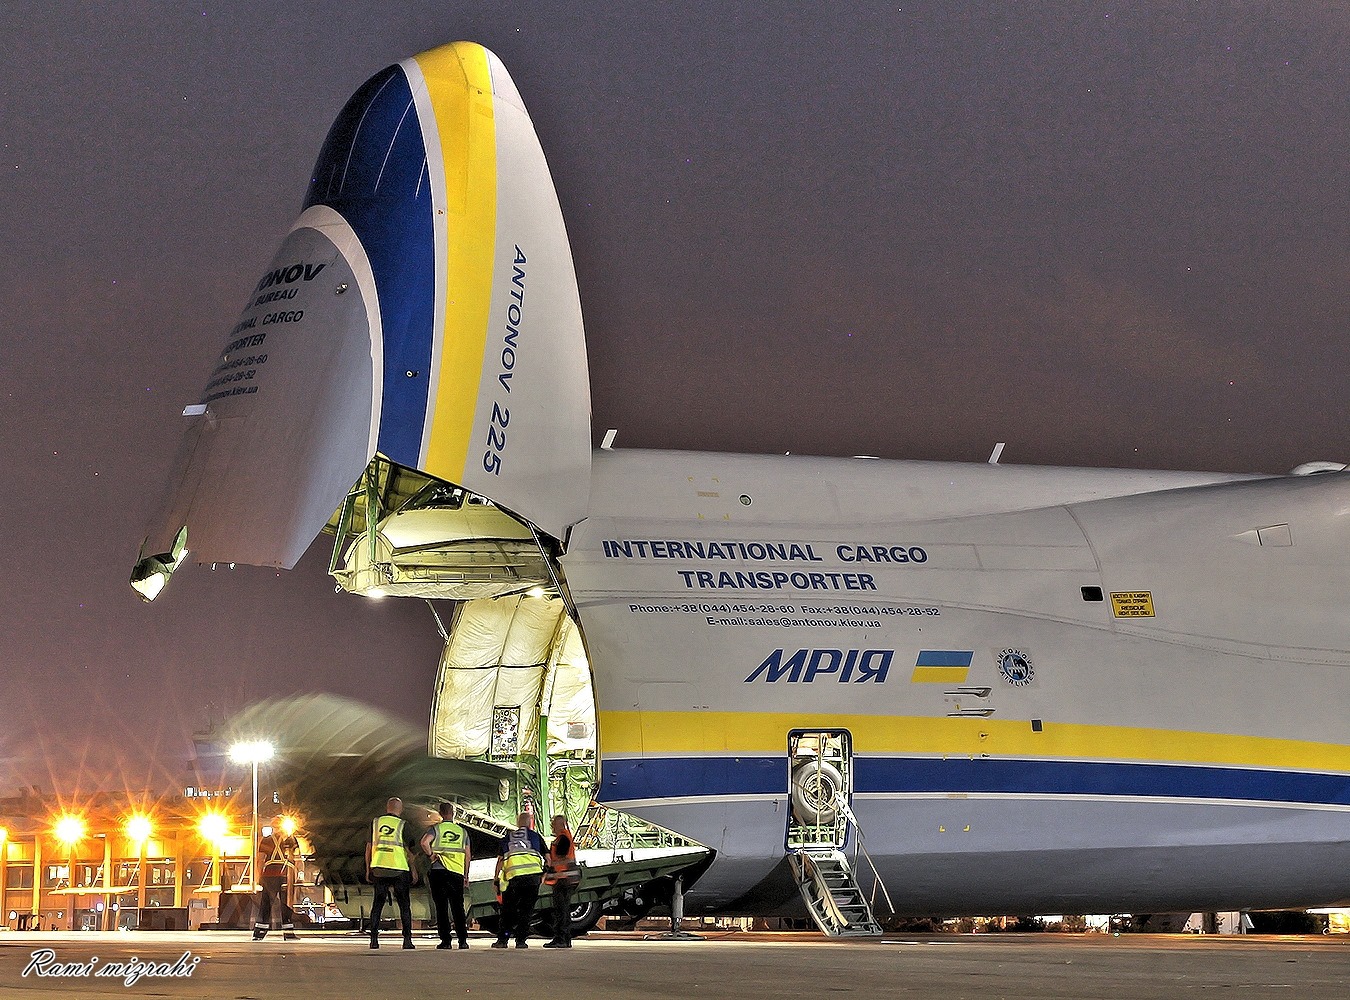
[{"x": 832, "y": 895}]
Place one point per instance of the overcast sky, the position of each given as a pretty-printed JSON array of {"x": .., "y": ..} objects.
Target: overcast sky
[{"x": 1106, "y": 234}]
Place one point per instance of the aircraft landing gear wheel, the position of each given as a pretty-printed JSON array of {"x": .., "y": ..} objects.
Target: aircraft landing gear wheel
[{"x": 816, "y": 787}]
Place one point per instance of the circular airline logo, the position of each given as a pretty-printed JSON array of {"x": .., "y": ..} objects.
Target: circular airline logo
[{"x": 1015, "y": 666}]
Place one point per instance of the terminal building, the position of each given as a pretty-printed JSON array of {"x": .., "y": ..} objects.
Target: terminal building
[{"x": 118, "y": 860}]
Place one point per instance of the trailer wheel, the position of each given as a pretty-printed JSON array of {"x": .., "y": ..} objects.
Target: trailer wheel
[
  {"x": 585, "y": 916},
  {"x": 816, "y": 786}
]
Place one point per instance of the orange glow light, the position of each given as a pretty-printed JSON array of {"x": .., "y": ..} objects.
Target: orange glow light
[
  {"x": 69, "y": 829},
  {"x": 138, "y": 828},
  {"x": 214, "y": 827}
]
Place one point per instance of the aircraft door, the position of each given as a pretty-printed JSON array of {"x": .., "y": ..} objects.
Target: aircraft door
[{"x": 820, "y": 777}]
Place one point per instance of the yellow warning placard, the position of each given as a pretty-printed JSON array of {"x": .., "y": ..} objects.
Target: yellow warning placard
[{"x": 1133, "y": 604}]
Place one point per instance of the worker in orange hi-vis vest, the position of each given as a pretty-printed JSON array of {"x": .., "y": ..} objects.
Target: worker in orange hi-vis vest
[{"x": 563, "y": 874}]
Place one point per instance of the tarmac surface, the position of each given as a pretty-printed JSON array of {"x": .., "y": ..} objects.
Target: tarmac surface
[{"x": 228, "y": 966}]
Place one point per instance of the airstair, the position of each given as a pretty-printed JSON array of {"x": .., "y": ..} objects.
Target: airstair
[
  {"x": 829, "y": 884},
  {"x": 833, "y": 897}
]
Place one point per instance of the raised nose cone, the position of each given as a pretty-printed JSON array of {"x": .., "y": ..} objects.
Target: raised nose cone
[
  {"x": 424, "y": 307},
  {"x": 372, "y": 171}
]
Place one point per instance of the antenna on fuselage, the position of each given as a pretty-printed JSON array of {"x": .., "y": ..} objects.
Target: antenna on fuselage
[{"x": 997, "y": 453}]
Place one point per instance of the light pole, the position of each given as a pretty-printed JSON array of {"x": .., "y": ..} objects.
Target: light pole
[
  {"x": 214, "y": 828},
  {"x": 253, "y": 752},
  {"x": 138, "y": 830},
  {"x": 4, "y": 859},
  {"x": 288, "y": 827},
  {"x": 70, "y": 831}
]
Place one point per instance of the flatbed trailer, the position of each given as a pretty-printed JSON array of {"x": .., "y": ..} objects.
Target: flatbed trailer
[{"x": 605, "y": 875}]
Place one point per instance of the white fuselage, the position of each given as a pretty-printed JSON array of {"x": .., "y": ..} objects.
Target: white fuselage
[{"x": 1068, "y": 753}]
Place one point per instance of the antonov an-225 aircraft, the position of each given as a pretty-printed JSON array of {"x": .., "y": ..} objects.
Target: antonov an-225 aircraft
[{"x": 1031, "y": 689}]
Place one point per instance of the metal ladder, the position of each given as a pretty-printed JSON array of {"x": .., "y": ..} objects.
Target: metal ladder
[
  {"x": 833, "y": 897},
  {"x": 481, "y": 821},
  {"x": 592, "y": 824}
]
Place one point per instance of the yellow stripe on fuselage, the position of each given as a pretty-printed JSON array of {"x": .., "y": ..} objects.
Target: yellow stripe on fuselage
[
  {"x": 665, "y": 733},
  {"x": 459, "y": 85},
  {"x": 939, "y": 675}
]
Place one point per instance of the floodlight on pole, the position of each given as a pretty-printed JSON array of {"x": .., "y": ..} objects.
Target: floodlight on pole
[
  {"x": 253, "y": 752},
  {"x": 69, "y": 829},
  {"x": 138, "y": 828},
  {"x": 213, "y": 827}
]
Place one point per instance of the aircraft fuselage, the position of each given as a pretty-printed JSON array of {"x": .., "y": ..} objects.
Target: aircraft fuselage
[{"x": 1063, "y": 689}]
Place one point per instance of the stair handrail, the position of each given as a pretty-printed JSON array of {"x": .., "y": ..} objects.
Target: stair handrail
[{"x": 860, "y": 847}]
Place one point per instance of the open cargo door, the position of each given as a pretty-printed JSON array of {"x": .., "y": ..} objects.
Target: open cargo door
[{"x": 424, "y": 307}]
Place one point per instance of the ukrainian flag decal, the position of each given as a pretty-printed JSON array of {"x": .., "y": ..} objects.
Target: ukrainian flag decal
[{"x": 942, "y": 666}]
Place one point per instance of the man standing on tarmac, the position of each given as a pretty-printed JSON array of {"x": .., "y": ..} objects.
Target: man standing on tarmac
[
  {"x": 564, "y": 876},
  {"x": 389, "y": 867},
  {"x": 447, "y": 845},
  {"x": 520, "y": 862},
  {"x": 276, "y": 848}
]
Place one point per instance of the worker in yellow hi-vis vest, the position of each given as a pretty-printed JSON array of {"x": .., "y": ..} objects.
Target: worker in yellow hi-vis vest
[
  {"x": 520, "y": 862},
  {"x": 389, "y": 866},
  {"x": 447, "y": 845}
]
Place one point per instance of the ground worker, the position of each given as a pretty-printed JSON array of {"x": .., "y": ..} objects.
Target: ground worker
[
  {"x": 389, "y": 867},
  {"x": 276, "y": 848},
  {"x": 564, "y": 876},
  {"x": 447, "y": 845},
  {"x": 520, "y": 862}
]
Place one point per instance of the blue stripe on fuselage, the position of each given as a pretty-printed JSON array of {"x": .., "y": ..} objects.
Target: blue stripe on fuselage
[
  {"x": 626, "y": 779},
  {"x": 372, "y": 170}
]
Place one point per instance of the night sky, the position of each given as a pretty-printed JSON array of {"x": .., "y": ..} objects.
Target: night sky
[{"x": 1106, "y": 236}]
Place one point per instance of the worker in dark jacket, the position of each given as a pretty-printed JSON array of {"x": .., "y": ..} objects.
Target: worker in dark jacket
[
  {"x": 277, "y": 848},
  {"x": 563, "y": 876},
  {"x": 520, "y": 863}
]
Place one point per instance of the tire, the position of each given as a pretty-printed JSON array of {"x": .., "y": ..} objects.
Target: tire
[
  {"x": 815, "y": 787},
  {"x": 585, "y": 916}
]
